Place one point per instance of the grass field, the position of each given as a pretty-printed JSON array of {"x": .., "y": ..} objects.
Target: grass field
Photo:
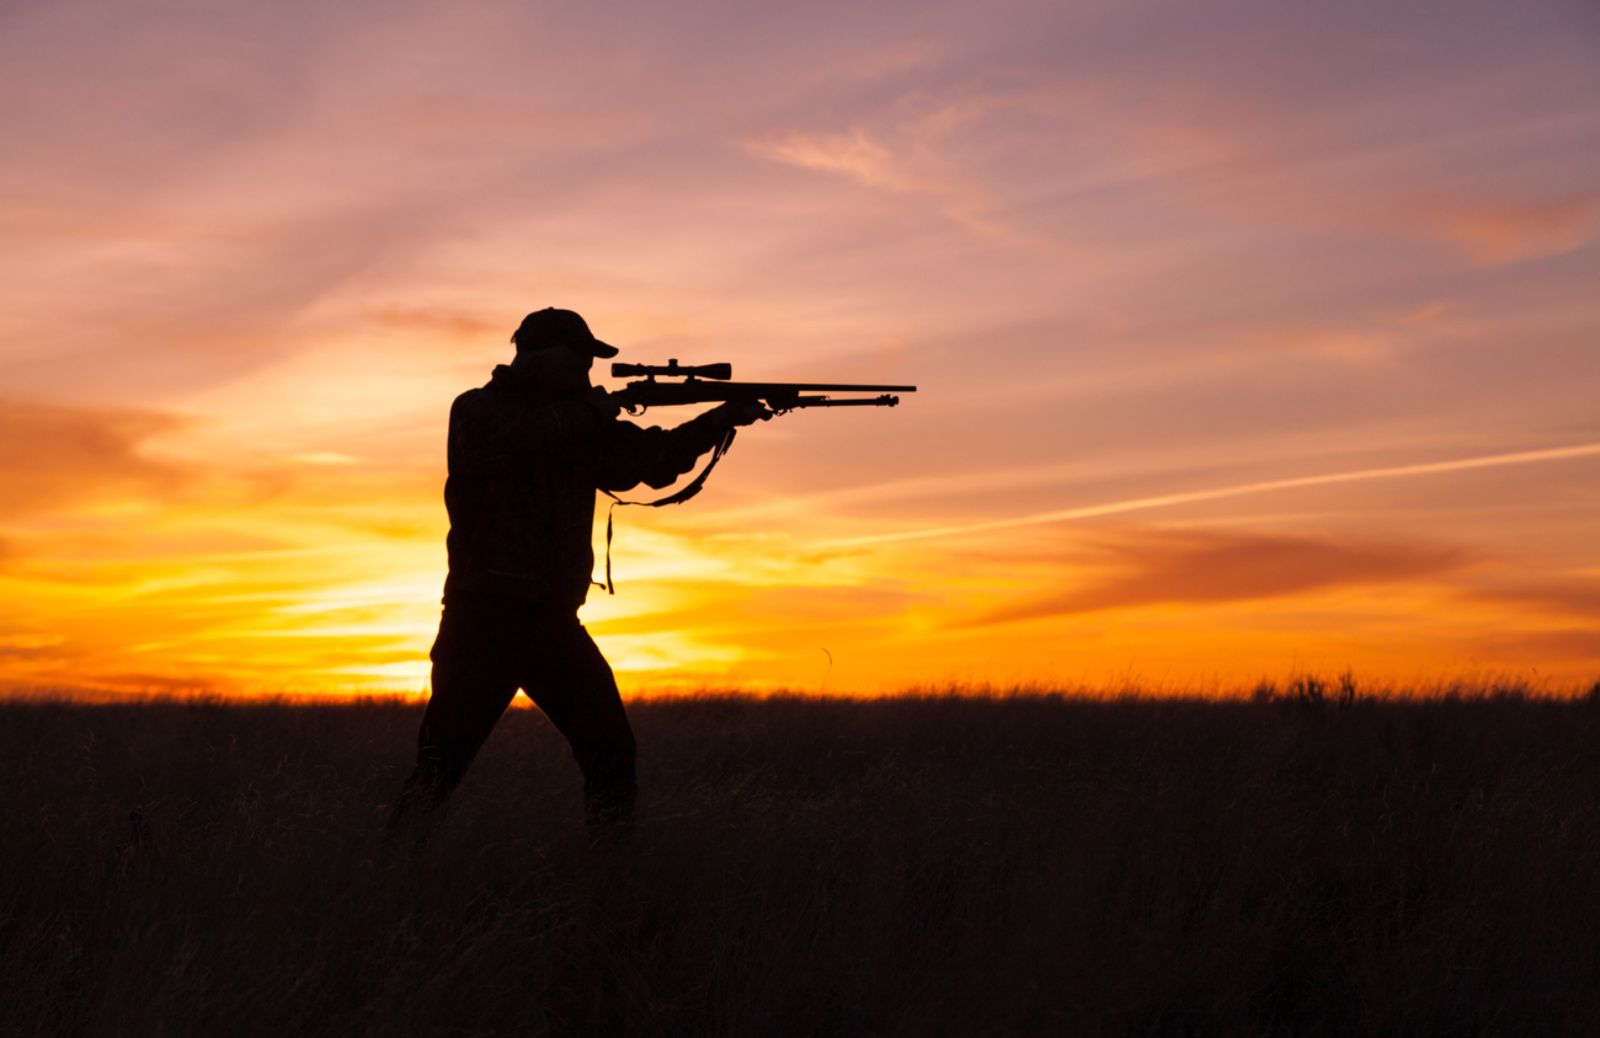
[{"x": 915, "y": 866}]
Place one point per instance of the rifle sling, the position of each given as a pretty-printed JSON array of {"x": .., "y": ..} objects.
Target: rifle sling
[{"x": 677, "y": 497}]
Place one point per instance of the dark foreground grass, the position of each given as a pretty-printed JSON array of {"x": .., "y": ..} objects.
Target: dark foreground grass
[{"x": 920, "y": 866}]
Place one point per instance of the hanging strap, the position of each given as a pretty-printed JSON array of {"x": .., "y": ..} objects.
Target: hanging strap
[{"x": 677, "y": 497}]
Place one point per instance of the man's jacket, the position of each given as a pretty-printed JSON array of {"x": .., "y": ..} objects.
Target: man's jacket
[{"x": 524, "y": 468}]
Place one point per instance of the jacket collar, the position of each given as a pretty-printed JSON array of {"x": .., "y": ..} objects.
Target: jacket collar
[{"x": 508, "y": 379}]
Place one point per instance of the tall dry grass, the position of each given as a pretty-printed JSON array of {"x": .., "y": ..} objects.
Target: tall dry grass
[{"x": 1294, "y": 864}]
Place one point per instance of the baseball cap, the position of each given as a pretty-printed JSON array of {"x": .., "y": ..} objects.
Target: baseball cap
[{"x": 552, "y": 327}]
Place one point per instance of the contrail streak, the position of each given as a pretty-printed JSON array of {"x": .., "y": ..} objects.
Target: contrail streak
[{"x": 1138, "y": 504}]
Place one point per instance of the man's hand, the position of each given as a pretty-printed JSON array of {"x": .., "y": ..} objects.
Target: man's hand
[
  {"x": 744, "y": 412},
  {"x": 603, "y": 402}
]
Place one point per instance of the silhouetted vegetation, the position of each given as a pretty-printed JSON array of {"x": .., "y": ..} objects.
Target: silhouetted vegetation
[{"x": 1312, "y": 860}]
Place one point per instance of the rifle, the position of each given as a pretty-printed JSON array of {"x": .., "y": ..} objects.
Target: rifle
[{"x": 710, "y": 383}]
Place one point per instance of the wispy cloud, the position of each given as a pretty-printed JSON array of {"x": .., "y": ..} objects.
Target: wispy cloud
[
  {"x": 862, "y": 157},
  {"x": 1213, "y": 567},
  {"x": 1559, "y": 597},
  {"x": 854, "y": 155},
  {"x": 1550, "y": 649},
  {"x": 55, "y": 456},
  {"x": 1553, "y": 454},
  {"x": 1495, "y": 232}
]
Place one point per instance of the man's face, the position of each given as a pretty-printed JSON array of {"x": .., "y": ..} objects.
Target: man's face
[{"x": 556, "y": 365}]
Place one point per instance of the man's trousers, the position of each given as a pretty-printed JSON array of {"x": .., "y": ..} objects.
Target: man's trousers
[{"x": 487, "y": 649}]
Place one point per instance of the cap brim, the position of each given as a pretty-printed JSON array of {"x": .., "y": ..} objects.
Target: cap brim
[{"x": 603, "y": 349}]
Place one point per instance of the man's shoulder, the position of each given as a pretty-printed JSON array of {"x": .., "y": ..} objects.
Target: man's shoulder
[
  {"x": 468, "y": 403},
  {"x": 508, "y": 412},
  {"x": 496, "y": 392}
]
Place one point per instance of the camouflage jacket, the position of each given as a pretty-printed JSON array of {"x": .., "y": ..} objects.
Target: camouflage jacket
[{"x": 524, "y": 468}]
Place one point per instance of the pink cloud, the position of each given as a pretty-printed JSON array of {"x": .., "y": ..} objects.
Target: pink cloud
[
  {"x": 54, "y": 456},
  {"x": 1217, "y": 567},
  {"x": 1494, "y": 232}
]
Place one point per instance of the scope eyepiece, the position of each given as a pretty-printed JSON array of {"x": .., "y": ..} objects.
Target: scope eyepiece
[{"x": 720, "y": 372}]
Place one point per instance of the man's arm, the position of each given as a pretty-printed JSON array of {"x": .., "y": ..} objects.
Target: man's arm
[{"x": 631, "y": 455}]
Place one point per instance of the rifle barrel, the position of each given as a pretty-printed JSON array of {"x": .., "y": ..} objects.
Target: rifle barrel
[
  {"x": 781, "y": 396},
  {"x": 824, "y": 387},
  {"x": 886, "y": 400},
  {"x": 770, "y": 387}
]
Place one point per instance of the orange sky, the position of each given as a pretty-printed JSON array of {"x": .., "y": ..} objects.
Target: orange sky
[{"x": 1249, "y": 341}]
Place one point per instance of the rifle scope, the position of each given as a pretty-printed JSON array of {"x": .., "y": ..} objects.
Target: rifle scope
[{"x": 720, "y": 372}]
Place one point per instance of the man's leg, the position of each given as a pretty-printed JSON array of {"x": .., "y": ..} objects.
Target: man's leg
[
  {"x": 474, "y": 680},
  {"x": 574, "y": 687}
]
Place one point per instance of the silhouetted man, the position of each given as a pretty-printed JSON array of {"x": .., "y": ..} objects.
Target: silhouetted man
[{"x": 527, "y": 453}]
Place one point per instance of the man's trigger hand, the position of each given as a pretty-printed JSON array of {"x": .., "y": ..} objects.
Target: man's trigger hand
[{"x": 603, "y": 402}]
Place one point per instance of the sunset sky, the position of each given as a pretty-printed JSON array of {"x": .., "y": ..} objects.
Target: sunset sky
[{"x": 1252, "y": 338}]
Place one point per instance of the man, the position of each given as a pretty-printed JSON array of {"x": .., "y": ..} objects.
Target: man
[{"x": 527, "y": 452}]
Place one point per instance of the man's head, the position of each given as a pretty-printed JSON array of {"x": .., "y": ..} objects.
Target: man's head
[
  {"x": 550, "y": 328},
  {"x": 557, "y": 348}
]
